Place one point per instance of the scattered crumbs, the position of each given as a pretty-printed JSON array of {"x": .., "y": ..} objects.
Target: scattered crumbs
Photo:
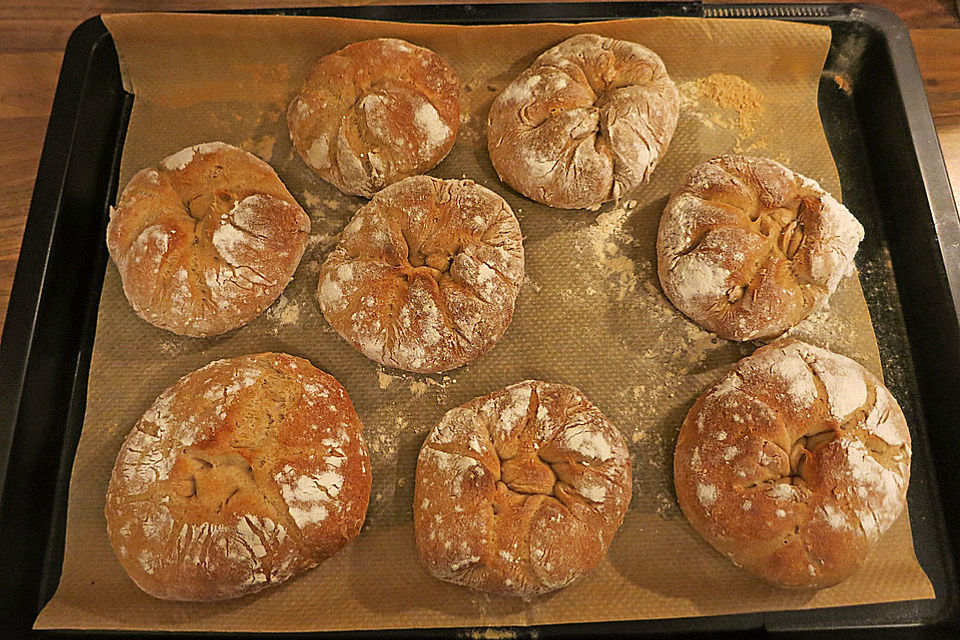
[
  {"x": 830, "y": 330},
  {"x": 666, "y": 505},
  {"x": 419, "y": 387},
  {"x": 310, "y": 199},
  {"x": 324, "y": 240},
  {"x": 290, "y": 314},
  {"x": 173, "y": 345},
  {"x": 843, "y": 82},
  {"x": 782, "y": 158},
  {"x": 384, "y": 379},
  {"x": 331, "y": 204},
  {"x": 494, "y": 634},
  {"x": 604, "y": 240},
  {"x": 759, "y": 145},
  {"x": 727, "y": 91},
  {"x": 529, "y": 283},
  {"x": 284, "y": 312}
]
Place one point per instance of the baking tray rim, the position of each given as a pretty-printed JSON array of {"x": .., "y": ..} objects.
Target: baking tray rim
[{"x": 30, "y": 279}]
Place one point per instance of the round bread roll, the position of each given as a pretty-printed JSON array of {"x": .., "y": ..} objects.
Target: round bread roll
[
  {"x": 520, "y": 492},
  {"x": 242, "y": 474},
  {"x": 793, "y": 464},
  {"x": 747, "y": 248},
  {"x": 206, "y": 240},
  {"x": 585, "y": 124},
  {"x": 425, "y": 276},
  {"x": 374, "y": 113}
]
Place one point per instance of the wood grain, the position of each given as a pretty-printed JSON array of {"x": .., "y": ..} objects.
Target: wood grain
[
  {"x": 938, "y": 53},
  {"x": 33, "y": 35}
]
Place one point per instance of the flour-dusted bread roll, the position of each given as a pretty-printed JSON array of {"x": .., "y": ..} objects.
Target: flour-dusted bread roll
[
  {"x": 425, "y": 276},
  {"x": 794, "y": 464},
  {"x": 747, "y": 248},
  {"x": 374, "y": 113},
  {"x": 585, "y": 124},
  {"x": 242, "y": 474},
  {"x": 206, "y": 240},
  {"x": 520, "y": 492}
]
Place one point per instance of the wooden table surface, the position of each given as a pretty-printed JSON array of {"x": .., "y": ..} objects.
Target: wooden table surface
[{"x": 33, "y": 34}]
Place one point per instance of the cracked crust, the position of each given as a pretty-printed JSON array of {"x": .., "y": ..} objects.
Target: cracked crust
[
  {"x": 241, "y": 475},
  {"x": 588, "y": 122},
  {"x": 426, "y": 275},
  {"x": 747, "y": 248},
  {"x": 794, "y": 464},
  {"x": 520, "y": 492},
  {"x": 207, "y": 240},
  {"x": 374, "y": 113}
]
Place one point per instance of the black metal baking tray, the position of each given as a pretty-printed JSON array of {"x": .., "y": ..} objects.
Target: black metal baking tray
[{"x": 880, "y": 131}]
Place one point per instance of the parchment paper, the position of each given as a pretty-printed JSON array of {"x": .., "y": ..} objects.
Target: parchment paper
[{"x": 590, "y": 314}]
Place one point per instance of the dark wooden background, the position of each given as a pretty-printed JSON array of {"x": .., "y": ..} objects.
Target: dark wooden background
[{"x": 33, "y": 34}]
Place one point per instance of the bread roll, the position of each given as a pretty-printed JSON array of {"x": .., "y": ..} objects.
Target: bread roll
[
  {"x": 206, "y": 240},
  {"x": 241, "y": 475},
  {"x": 585, "y": 124},
  {"x": 794, "y": 464},
  {"x": 747, "y": 248},
  {"x": 374, "y": 113},
  {"x": 520, "y": 492},
  {"x": 425, "y": 276}
]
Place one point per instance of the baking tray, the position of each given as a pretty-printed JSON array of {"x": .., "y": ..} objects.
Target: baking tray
[{"x": 877, "y": 122}]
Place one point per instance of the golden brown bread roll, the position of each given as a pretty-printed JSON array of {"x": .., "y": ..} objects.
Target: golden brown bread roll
[
  {"x": 425, "y": 276},
  {"x": 793, "y": 464},
  {"x": 520, "y": 492},
  {"x": 585, "y": 124},
  {"x": 747, "y": 248},
  {"x": 206, "y": 240},
  {"x": 241, "y": 475},
  {"x": 375, "y": 112}
]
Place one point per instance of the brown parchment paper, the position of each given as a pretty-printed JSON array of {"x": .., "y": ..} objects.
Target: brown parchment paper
[{"x": 590, "y": 314}]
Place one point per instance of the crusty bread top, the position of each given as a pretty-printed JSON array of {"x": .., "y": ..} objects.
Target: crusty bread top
[
  {"x": 206, "y": 240},
  {"x": 240, "y": 475},
  {"x": 425, "y": 276},
  {"x": 747, "y": 248},
  {"x": 375, "y": 112},
  {"x": 520, "y": 492},
  {"x": 586, "y": 123},
  {"x": 793, "y": 464}
]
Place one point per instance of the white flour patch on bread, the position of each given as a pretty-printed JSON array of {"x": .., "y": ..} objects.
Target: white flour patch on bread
[{"x": 434, "y": 129}]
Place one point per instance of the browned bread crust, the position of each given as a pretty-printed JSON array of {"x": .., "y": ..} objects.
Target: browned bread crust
[
  {"x": 241, "y": 475},
  {"x": 206, "y": 240},
  {"x": 793, "y": 464},
  {"x": 374, "y": 113},
  {"x": 586, "y": 123},
  {"x": 520, "y": 492},
  {"x": 425, "y": 276},
  {"x": 747, "y": 248}
]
